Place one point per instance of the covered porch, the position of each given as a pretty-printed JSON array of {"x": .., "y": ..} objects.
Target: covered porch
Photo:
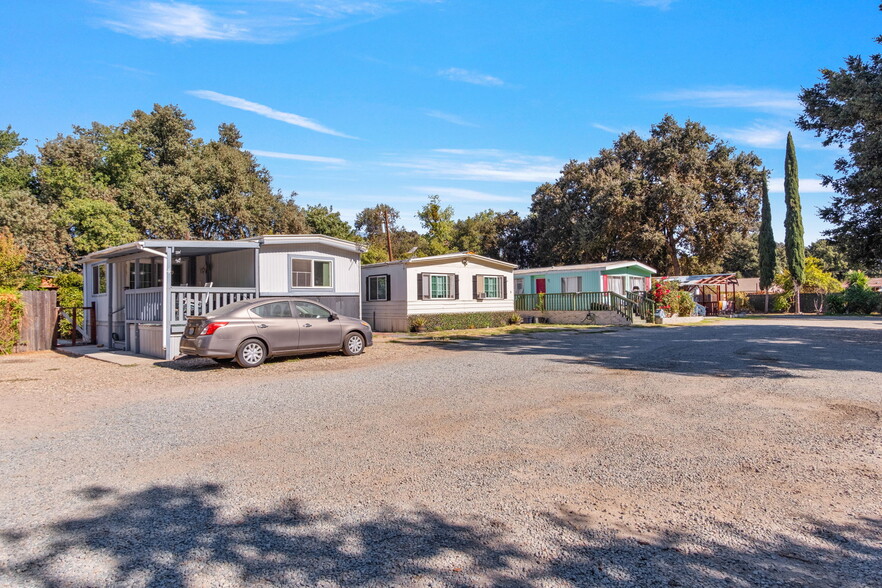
[
  {"x": 145, "y": 291},
  {"x": 715, "y": 292}
]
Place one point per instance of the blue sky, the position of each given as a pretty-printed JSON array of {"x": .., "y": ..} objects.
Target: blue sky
[{"x": 354, "y": 102}]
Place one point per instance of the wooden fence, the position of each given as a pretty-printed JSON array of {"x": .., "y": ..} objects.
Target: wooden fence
[{"x": 37, "y": 327}]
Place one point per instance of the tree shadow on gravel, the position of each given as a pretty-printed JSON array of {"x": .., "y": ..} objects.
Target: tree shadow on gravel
[
  {"x": 725, "y": 351},
  {"x": 176, "y": 536}
]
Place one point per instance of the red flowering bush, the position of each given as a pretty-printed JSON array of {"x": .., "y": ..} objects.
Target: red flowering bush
[{"x": 669, "y": 297}]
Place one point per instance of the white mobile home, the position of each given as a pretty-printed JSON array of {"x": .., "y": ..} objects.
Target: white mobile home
[
  {"x": 144, "y": 291},
  {"x": 441, "y": 284}
]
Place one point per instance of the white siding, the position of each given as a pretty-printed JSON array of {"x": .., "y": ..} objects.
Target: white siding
[
  {"x": 274, "y": 270},
  {"x": 466, "y": 301},
  {"x": 388, "y": 315}
]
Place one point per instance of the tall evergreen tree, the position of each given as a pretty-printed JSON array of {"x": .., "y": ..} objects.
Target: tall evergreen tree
[
  {"x": 767, "y": 256},
  {"x": 794, "y": 238}
]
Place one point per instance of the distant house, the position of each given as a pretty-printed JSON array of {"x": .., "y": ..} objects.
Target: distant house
[
  {"x": 875, "y": 284},
  {"x": 751, "y": 286},
  {"x": 440, "y": 284},
  {"x": 144, "y": 291},
  {"x": 615, "y": 276}
]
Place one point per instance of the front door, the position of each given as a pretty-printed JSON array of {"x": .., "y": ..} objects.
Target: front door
[
  {"x": 276, "y": 324},
  {"x": 317, "y": 329},
  {"x": 540, "y": 285}
]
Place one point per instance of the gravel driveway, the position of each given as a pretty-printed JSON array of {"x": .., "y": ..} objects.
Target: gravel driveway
[{"x": 742, "y": 453}]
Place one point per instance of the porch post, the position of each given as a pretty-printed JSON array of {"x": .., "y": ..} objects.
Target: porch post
[
  {"x": 110, "y": 304},
  {"x": 166, "y": 299},
  {"x": 257, "y": 273}
]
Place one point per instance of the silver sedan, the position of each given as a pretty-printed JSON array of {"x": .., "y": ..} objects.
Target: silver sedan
[{"x": 251, "y": 331}]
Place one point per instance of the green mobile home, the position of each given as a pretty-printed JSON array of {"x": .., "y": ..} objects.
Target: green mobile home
[{"x": 620, "y": 277}]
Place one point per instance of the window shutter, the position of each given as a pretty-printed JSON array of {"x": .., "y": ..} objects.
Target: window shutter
[
  {"x": 388, "y": 287},
  {"x": 563, "y": 284},
  {"x": 455, "y": 279},
  {"x": 475, "y": 287},
  {"x": 504, "y": 287},
  {"x": 579, "y": 284},
  {"x": 419, "y": 286},
  {"x": 367, "y": 289}
]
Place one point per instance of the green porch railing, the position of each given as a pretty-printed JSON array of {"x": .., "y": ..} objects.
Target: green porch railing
[{"x": 627, "y": 306}]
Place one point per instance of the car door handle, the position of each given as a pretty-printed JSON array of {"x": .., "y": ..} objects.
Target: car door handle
[
  {"x": 262, "y": 326},
  {"x": 307, "y": 325}
]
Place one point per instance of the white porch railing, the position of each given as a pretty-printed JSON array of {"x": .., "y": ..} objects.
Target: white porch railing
[
  {"x": 186, "y": 301},
  {"x": 145, "y": 304}
]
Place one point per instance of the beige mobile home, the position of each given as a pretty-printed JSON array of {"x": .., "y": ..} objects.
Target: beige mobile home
[{"x": 441, "y": 284}]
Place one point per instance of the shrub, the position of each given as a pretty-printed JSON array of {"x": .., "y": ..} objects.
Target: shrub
[
  {"x": 782, "y": 302},
  {"x": 11, "y": 311},
  {"x": 683, "y": 303},
  {"x": 836, "y": 303},
  {"x": 515, "y": 319},
  {"x": 465, "y": 320}
]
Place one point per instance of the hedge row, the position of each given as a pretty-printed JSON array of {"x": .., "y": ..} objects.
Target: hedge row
[{"x": 466, "y": 320}]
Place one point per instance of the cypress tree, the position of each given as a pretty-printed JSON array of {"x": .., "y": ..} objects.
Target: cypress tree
[
  {"x": 794, "y": 239},
  {"x": 767, "y": 257}
]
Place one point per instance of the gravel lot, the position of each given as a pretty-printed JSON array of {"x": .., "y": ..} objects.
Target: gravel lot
[{"x": 741, "y": 453}]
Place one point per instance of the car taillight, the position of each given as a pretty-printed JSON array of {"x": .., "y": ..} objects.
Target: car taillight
[{"x": 210, "y": 328}]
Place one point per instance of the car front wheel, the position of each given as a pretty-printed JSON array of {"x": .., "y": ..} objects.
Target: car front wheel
[
  {"x": 251, "y": 353},
  {"x": 353, "y": 344}
]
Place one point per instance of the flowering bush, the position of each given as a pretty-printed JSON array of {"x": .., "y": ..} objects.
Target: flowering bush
[{"x": 661, "y": 295}]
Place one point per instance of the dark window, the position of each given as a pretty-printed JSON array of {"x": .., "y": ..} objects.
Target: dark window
[
  {"x": 378, "y": 288},
  {"x": 273, "y": 310}
]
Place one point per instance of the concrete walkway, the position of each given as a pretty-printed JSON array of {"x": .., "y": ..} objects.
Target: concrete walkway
[{"x": 124, "y": 358}]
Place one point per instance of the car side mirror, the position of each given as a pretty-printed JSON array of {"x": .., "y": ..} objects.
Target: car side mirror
[{"x": 334, "y": 316}]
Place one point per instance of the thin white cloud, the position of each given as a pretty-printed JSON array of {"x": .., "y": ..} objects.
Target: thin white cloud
[
  {"x": 764, "y": 100},
  {"x": 486, "y": 165},
  {"x": 758, "y": 135},
  {"x": 807, "y": 185},
  {"x": 258, "y": 21},
  {"x": 174, "y": 21},
  {"x": 451, "y": 118},
  {"x": 606, "y": 129},
  {"x": 470, "y": 77},
  {"x": 462, "y": 194},
  {"x": 298, "y": 157},
  {"x": 262, "y": 110}
]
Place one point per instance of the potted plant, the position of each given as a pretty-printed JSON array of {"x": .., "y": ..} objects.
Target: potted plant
[
  {"x": 515, "y": 319},
  {"x": 418, "y": 324}
]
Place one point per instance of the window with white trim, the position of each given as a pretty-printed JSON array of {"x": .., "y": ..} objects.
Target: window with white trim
[
  {"x": 519, "y": 285},
  {"x": 439, "y": 286},
  {"x": 378, "y": 288},
  {"x": 571, "y": 285},
  {"x": 492, "y": 286},
  {"x": 99, "y": 279},
  {"x": 311, "y": 273}
]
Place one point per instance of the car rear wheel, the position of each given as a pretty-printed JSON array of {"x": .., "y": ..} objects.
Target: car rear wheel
[
  {"x": 353, "y": 344},
  {"x": 251, "y": 353}
]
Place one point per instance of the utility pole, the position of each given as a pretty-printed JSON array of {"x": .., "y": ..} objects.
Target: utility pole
[{"x": 388, "y": 236}]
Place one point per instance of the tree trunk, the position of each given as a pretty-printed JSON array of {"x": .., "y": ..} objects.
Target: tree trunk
[
  {"x": 672, "y": 253},
  {"x": 796, "y": 292},
  {"x": 767, "y": 301}
]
